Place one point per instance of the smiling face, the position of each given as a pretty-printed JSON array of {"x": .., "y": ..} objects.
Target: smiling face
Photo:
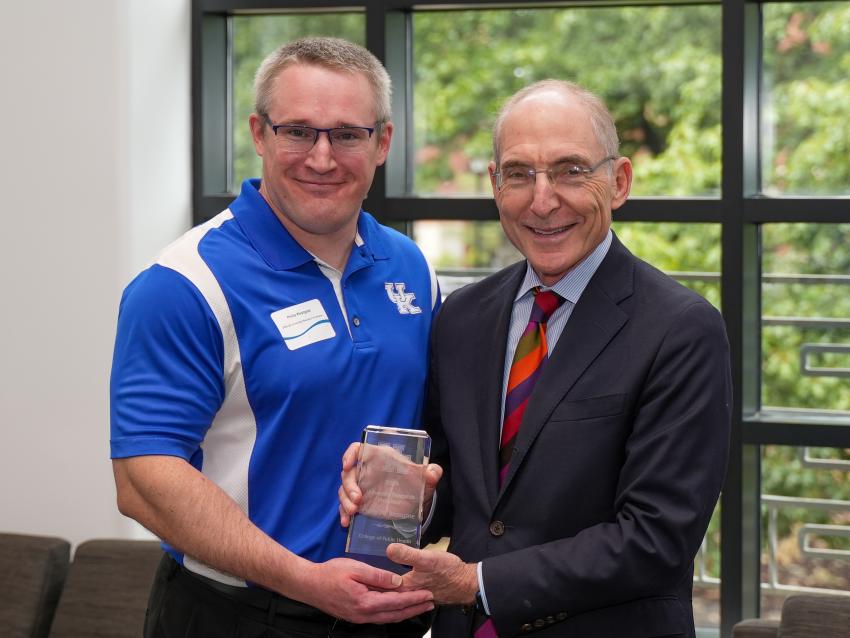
[
  {"x": 555, "y": 228},
  {"x": 317, "y": 194}
]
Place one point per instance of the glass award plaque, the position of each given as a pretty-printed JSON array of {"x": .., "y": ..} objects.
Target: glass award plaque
[{"x": 391, "y": 477}]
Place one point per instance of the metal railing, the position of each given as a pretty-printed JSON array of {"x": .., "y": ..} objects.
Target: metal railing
[{"x": 804, "y": 534}]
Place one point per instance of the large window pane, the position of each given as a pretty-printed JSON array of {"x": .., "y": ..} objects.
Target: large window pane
[
  {"x": 805, "y": 506},
  {"x": 806, "y": 99},
  {"x": 463, "y": 244},
  {"x": 689, "y": 253},
  {"x": 658, "y": 68},
  {"x": 464, "y": 251},
  {"x": 254, "y": 37},
  {"x": 806, "y": 317}
]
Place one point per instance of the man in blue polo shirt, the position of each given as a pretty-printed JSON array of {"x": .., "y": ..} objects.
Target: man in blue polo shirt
[{"x": 254, "y": 349}]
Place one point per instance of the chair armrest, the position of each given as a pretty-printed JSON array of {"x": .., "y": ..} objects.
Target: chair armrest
[
  {"x": 756, "y": 628},
  {"x": 822, "y": 615}
]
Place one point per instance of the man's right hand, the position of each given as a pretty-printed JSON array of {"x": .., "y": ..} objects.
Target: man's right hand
[
  {"x": 210, "y": 526},
  {"x": 351, "y": 499},
  {"x": 360, "y": 593}
]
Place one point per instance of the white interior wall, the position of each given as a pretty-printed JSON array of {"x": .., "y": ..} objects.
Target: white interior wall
[{"x": 95, "y": 173}]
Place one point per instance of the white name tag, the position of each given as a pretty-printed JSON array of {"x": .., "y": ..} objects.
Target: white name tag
[{"x": 303, "y": 324}]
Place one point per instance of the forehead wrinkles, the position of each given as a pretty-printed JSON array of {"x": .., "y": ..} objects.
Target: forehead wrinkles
[
  {"x": 545, "y": 154},
  {"x": 547, "y": 127}
]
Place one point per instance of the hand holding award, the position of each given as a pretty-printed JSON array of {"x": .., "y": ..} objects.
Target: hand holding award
[{"x": 391, "y": 476}]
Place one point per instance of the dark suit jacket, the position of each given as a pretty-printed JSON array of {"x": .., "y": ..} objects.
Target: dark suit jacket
[{"x": 618, "y": 463}]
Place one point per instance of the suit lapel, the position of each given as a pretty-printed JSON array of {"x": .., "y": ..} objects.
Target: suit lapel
[
  {"x": 594, "y": 321},
  {"x": 494, "y": 316}
]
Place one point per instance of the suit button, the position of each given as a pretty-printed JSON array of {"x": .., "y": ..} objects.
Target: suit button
[
  {"x": 550, "y": 620},
  {"x": 539, "y": 623},
  {"x": 497, "y": 528},
  {"x": 561, "y": 615},
  {"x": 527, "y": 627}
]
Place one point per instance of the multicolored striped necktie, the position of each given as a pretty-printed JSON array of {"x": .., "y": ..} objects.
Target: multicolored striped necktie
[{"x": 529, "y": 360}]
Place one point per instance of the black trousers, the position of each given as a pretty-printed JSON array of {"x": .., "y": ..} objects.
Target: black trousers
[{"x": 186, "y": 605}]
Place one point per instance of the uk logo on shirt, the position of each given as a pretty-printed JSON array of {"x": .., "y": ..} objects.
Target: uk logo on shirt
[{"x": 402, "y": 299}]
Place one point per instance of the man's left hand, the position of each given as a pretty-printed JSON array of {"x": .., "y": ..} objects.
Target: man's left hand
[
  {"x": 452, "y": 581},
  {"x": 351, "y": 498}
]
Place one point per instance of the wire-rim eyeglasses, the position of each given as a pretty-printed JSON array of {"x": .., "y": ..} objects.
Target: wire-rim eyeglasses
[
  {"x": 300, "y": 138},
  {"x": 562, "y": 174}
]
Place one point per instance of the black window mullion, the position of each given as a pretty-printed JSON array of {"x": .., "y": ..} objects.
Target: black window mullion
[
  {"x": 824, "y": 210},
  {"x": 399, "y": 62},
  {"x": 210, "y": 111},
  {"x": 740, "y": 512},
  {"x": 800, "y": 431},
  {"x": 376, "y": 43}
]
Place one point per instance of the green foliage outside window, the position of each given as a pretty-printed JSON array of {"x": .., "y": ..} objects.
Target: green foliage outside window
[
  {"x": 806, "y": 77},
  {"x": 658, "y": 68}
]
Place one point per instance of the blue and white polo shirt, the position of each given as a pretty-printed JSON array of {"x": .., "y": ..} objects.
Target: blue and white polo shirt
[{"x": 239, "y": 352}]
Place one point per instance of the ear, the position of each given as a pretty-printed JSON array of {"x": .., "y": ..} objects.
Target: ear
[
  {"x": 258, "y": 129},
  {"x": 622, "y": 182},
  {"x": 384, "y": 143},
  {"x": 491, "y": 170}
]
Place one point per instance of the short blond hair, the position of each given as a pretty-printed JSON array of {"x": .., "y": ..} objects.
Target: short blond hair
[{"x": 332, "y": 53}]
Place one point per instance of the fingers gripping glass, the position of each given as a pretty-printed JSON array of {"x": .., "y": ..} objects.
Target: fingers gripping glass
[
  {"x": 298, "y": 138},
  {"x": 563, "y": 174}
]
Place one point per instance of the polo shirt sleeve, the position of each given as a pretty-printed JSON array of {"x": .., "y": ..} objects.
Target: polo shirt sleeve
[{"x": 167, "y": 369}]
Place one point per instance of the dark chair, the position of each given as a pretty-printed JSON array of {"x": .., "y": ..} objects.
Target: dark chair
[
  {"x": 803, "y": 616},
  {"x": 32, "y": 571},
  {"x": 107, "y": 588}
]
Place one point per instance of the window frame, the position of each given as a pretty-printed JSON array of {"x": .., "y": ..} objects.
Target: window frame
[{"x": 739, "y": 209}]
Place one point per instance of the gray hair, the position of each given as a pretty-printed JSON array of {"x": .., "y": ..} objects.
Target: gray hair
[
  {"x": 600, "y": 118},
  {"x": 332, "y": 53}
]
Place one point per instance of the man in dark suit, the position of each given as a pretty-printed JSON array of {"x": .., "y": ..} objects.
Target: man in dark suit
[{"x": 579, "y": 404}]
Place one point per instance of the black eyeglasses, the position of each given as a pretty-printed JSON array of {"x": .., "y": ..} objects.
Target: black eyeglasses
[
  {"x": 561, "y": 175},
  {"x": 298, "y": 138}
]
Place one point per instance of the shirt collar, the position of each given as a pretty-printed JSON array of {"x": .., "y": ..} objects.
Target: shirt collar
[
  {"x": 274, "y": 243},
  {"x": 358, "y": 244},
  {"x": 572, "y": 284}
]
